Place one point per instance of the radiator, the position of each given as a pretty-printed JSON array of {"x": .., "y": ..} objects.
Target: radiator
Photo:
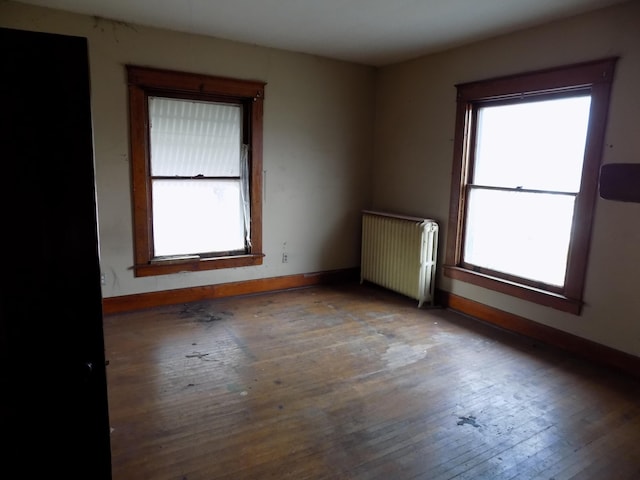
[{"x": 399, "y": 253}]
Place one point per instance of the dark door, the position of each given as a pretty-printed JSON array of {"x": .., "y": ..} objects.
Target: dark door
[{"x": 54, "y": 410}]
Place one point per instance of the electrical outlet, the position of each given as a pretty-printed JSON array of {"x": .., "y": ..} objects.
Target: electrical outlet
[
  {"x": 285, "y": 258},
  {"x": 103, "y": 278}
]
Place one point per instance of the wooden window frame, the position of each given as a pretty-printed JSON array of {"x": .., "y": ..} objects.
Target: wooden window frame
[
  {"x": 593, "y": 77},
  {"x": 144, "y": 82}
]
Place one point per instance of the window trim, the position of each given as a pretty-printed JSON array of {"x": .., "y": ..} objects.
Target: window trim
[
  {"x": 595, "y": 77},
  {"x": 144, "y": 82}
]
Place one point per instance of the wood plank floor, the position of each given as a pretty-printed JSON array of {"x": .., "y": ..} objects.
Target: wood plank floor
[{"x": 355, "y": 382}]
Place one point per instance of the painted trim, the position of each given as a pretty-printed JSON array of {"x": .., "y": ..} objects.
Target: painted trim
[
  {"x": 584, "y": 348},
  {"x": 141, "y": 301}
]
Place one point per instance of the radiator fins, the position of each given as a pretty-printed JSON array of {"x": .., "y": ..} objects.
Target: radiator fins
[{"x": 399, "y": 253}]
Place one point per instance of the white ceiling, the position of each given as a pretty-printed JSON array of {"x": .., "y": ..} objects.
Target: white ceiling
[{"x": 371, "y": 32}]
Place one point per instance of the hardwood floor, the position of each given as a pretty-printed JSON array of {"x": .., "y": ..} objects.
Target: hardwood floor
[{"x": 355, "y": 382}]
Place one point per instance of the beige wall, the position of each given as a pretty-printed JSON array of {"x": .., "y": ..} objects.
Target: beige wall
[
  {"x": 318, "y": 122},
  {"x": 414, "y": 151}
]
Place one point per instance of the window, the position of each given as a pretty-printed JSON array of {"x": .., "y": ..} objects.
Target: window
[
  {"x": 196, "y": 157},
  {"x": 525, "y": 174}
]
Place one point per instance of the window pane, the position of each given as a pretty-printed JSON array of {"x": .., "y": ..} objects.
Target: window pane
[
  {"x": 536, "y": 145},
  {"x": 522, "y": 234},
  {"x": 190, "y": 138},
  {"x": 197, "y": 216}
]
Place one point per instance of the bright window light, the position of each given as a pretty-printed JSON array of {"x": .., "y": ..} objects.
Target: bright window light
[
  {"x": 526, "y": 174},
  {"x": 197, "y": 216},
  {"x": 196, "y": 177},
  {"x": 520, "y": 234}
]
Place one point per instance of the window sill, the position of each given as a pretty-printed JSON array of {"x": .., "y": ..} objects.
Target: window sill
[
  {"x": 525, "y": 292},
  {"x": 196, "y": 264}
]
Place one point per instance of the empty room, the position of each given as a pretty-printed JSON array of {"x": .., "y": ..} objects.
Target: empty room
[{"x": 321, "y": 240}]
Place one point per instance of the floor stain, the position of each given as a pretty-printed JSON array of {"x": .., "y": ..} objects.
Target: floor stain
[
  {"x": 201, "y": 314},
  {"x": 470, "y": 420},
  {"x": 197, "y": 355}
]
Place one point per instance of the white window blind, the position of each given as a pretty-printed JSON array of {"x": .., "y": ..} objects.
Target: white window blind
[{"x": 196, "y": 169}]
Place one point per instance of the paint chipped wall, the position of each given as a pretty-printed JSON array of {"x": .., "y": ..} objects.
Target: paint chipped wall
[{"x": 318, "y": 120}]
